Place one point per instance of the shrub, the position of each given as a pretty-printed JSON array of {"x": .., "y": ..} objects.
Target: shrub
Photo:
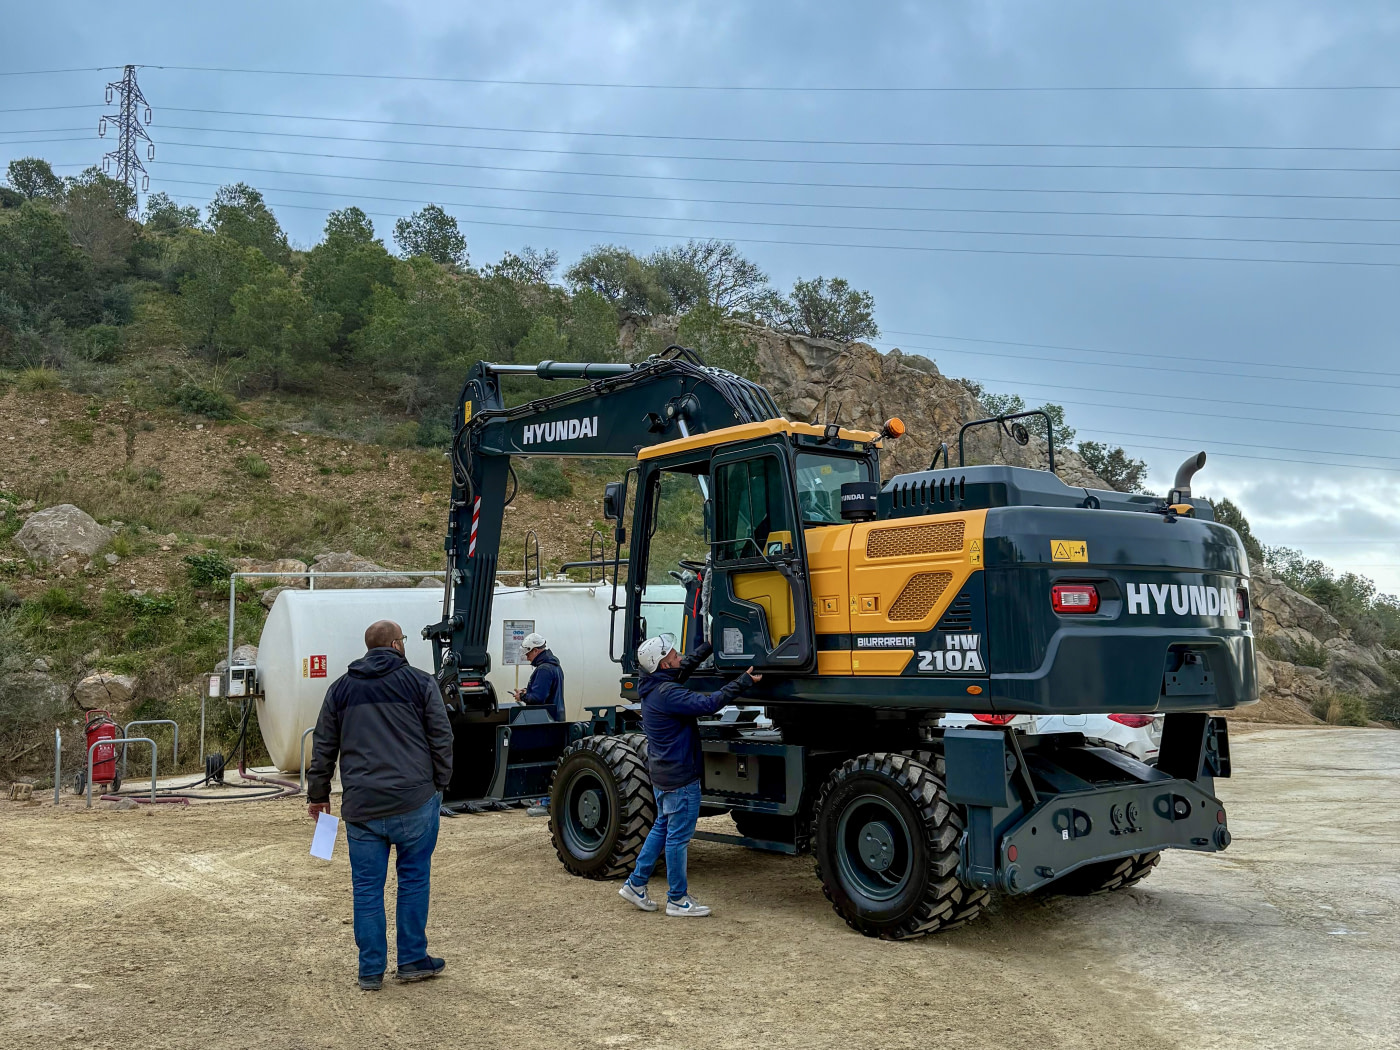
[
  {"x": 33, "y": 380},
  {"x": 1268, "y": 645},
  {"x": 207, "y": 568},
  {"x": 59, "y": 601},
  {"x": 1385, "y": 707},
  {"x": 1349, "y": 710},
  {"x": 201, "y": 401},
  {"x": 1321, "y": 707},
  {"x": 433, "y": 433},
  {"x": 255, "y": 467},
  {"x": 545, "y": 479},
  {"x": 1310, "y": 654},
  {"x": 100, "y": 342}
]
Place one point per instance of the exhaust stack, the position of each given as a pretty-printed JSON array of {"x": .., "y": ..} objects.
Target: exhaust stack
[{"x": 1181, "y": 487}]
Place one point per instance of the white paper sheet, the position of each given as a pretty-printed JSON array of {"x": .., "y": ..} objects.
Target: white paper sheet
[{"x": 323, "y": 842}]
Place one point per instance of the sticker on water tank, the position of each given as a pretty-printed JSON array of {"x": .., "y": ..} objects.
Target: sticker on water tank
[
  {"x": 317, "y": 667},
  {"x": 733, "y": 643},
  {"x": 513, "y": 633}
]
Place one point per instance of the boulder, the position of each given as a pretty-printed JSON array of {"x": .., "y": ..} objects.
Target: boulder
[
  {"x": 288, "y": 565},
  {"x": 58, "y": 532},
  {"x": 104, "y": 689},
  {"x": 269, "y": 596},
  {"x": 346, "y": 561},
  {"x": 243, "y": 655},
  {"x": 1276, "y": 606},
  {"x": 429, "y": 581}
]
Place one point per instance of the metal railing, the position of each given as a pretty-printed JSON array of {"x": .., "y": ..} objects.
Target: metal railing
[
  {"x": 302, "y": 752},
  {"x": 57, "y": 764},
  {"x": 124, "y": 740},
  {"x": 174, "y": 728}
]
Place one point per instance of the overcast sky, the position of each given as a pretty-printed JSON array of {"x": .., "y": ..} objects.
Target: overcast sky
[{"x": 1281, "y": 369}]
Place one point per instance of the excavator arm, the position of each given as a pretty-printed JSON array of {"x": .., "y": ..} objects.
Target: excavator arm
[{"x": 619, "y": 410}]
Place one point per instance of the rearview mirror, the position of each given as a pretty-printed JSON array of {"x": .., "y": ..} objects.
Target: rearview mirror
[{"x": 613, "y": 496}]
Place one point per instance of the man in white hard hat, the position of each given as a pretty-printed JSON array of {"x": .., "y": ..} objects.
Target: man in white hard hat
[
  {"x": 669, "y": 715},
  {"x": 546, "y": 685}
]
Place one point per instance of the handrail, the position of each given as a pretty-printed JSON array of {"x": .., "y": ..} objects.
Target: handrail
[
  {"x": 532, "y": 539},
  {"x": 175, "y": 727},
  {"x": 301, "y": 750},
  {"x": 124, "y": 740},
  {"x": 1021, "y": 438},
  {"x": 57, "y": 763}
]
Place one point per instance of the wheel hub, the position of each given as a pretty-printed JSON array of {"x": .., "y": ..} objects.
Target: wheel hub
[
  {"x": 590, "y": 809},
  {"x": 876, "y": 845}
]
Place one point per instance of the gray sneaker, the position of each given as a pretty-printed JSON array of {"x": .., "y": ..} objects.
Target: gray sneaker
[
  {"x": 637, "y": 896},
  {"x": 687, "y": 906}
]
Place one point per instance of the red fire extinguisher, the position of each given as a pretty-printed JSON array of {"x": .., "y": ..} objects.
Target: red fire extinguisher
[{"x": 100, "y": 726}]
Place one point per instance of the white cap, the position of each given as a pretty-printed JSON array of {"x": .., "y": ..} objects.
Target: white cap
[
  {"x": 533, "y": 641},
  {"x": 651, "y": 652}
]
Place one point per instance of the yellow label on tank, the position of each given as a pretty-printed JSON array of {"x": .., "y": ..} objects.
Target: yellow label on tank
[{"x": 1069, "y": 550}]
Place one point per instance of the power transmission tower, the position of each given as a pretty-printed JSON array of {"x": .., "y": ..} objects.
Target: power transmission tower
[{"x": 130, "y": 133}]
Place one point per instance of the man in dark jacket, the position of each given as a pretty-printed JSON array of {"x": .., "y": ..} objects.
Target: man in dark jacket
[
  {"x": 546, "y": 684},
  {"x": 669, "y": 716},
  {"x": 385, "y": 722}
]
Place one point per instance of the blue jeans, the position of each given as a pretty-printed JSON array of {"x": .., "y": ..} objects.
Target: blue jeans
[
  {"x": 676, "y": 814},
  {"x": 414, "y": 836}
]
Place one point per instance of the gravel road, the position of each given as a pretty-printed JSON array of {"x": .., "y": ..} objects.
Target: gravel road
[{"x": 210, "y": 926}]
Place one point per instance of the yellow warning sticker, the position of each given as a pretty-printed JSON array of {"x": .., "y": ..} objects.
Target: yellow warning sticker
[
  {"x": 974, "y": 553},
  {"x": 1069, "y": 550},
  {"x": 466, "y": 413}
]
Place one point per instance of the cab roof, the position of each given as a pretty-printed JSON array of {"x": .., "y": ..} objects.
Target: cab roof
[{"x": 750, "y": 432}]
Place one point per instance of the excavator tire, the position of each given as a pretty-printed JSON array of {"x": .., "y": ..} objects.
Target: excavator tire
[
  {"x": 601, "y": 806},
  {"x": 886, "y": 844},
  {"x": 1106, "y": 876}
]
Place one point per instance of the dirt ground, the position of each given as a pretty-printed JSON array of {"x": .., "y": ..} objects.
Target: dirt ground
[{"x": 211, "y": 926}]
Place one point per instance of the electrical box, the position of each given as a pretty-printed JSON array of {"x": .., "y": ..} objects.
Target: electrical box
[{"x": 242, "y": 680}]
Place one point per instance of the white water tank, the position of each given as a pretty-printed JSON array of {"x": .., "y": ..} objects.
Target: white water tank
[{"x": 311, "y": 637}]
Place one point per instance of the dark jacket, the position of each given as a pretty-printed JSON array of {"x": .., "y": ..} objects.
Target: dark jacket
[
  {"x": 669, "y": 714},
  {"x": 385, "y": 721},
  {"x": 546, "y": 685}
]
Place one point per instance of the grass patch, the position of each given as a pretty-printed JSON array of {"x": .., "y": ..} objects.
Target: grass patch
[
  {"x": 1310, "y": 655},
  {"x": 255, "y": 467},
  {"x": 34, "y": 380},
  {"x": 544, "y": 478}
]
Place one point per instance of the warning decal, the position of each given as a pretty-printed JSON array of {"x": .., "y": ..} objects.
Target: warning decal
[
  {"x": 1069, "y": 550},
  {"x": 974, "y": 553},
  {"x": 318, "y": 667}
]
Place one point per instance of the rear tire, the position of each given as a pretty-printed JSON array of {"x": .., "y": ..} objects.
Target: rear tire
[
  {"x": 601, "y": 806},
  {"x": 1106, "y": 876},
  {"x": 887, "y": 849}
]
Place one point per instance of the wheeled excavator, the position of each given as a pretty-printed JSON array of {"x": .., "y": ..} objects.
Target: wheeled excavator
[{"x": 871, "y": 608}]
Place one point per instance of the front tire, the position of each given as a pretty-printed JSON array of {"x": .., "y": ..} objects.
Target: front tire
[
  {"x": 601, "y": 806},
  {"x": 1106, "y": 876},
  {"x": 887, "y": 849}
]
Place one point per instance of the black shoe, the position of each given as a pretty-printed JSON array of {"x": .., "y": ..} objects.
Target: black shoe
[
  {"x": 421, "y": 970},
  {"x": 372, "y": 982}
]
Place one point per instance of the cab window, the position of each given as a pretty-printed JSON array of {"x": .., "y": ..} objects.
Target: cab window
[
  {"x": 819, "y": 481},
  {"x": 751, "y": 510}
]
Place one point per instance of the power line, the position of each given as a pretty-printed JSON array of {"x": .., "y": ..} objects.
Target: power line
[
  {"x": 1261, "y": 459},
  {"x": 45, "y": 72},
  {"x": 1120, "y": 434},
  {"x": 776, "y": 204},
  {"x": 765, "y": 140},
  {"x": 844, "y": 162},
  {"x": 130, "y": 133},
  {"x": 933, "y": 249},
  {"x": 1154, "y": 357},
  {"x": 787, "y": 89},
  {"x": 831, "y": 226}
]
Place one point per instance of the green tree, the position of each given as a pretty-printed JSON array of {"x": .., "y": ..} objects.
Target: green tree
[
  {"x": 33, "y": 179},
  {"x": 708, "y": 331},
  {"x": 239, "y": 213},
  {"x": 44, "y": 277},
  {"x": 1121, "y": 471},
  {"x": 679, "y": 278},
  {"x": 528, "y": 267},
  {"x": 618, "y": 276},
  {"x": 274, "y": 328},
  {"x": 828, "y": 309},
  {"x": 420, "y": 332},
  {"x": 1227, "y": 513},
  {"x": 163, "y": 215},
  {"x": 431, "y": 232},
  {"x": 212, "y": 270},
  {"x": 343, "y": 270},
  {"x": 592, "y": 328},
  {"x": 732, "y": 283},
  {"x": 98, "y": 209}
]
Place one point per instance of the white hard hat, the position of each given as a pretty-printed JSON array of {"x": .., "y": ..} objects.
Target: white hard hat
[
  {"x": 533, "y": 641},
  {"x": 651, "y": 652}
]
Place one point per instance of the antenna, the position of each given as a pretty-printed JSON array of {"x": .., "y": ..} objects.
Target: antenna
[{"x": 130, "y": 133}]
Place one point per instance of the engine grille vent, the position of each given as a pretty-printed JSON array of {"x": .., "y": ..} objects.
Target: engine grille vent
[
  {"x": 920, "y": 595},
  {"x": 958, "y": 616},
  {"x": 935, "y": 538}
]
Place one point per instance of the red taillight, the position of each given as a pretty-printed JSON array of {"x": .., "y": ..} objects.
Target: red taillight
[
  {"x": 1074, "y": 598},
  {"x": 1242, "y": 603},
  {"x": 1133, "y": 721},
  {"x": 994, "y": 720}
]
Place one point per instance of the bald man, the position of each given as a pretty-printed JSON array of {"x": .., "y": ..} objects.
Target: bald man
[{"x": 385, "y": 722}]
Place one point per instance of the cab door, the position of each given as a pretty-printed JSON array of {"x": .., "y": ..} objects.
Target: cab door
[{"x": 760, "y": 601}]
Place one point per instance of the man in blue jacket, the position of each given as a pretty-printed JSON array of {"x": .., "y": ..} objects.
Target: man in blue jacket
[
  {"x": 546, "y": 684},
  {"x": 385, "y": 723},
  {"x": 669, "y": 715}
]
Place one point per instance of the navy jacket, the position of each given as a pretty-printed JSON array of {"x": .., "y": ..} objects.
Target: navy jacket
[
  {"x": 669, "y": 714},
  {"x": 546, "y": 686},
  {"x": 385, "y": 722}
]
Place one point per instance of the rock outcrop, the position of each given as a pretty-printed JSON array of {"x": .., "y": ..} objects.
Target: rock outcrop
[
  {"x": 347, "y": 561},
  {"x": 288, "y": 565},
  {"x": 60, "y": 533},
  {"x": 104, "y": 689}
]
